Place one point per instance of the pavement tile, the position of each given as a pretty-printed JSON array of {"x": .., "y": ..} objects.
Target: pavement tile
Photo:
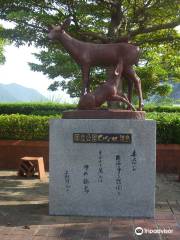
[
  {"x": 177, "y": 217},
  {"x": 55, "y": 238},
  {"x": 162, "y": 206},
  {"x": 122, "y": 223},
  {"x": 121, "y": 236},
  {"x": 69, "y": 238},
  {"x": 20, "y": 237},
  {"x": 164, "y": 216},
  {"x": 148, "y": 237},
  {"x": 96, "y": 238},
  {"x": 116, "y": 229},
  {"x": 55, "y": 231},
  {"x": 42, "y": 231},
  {"x": 24, "y": 230},
  {"x": 7, "y": 230},
  {"x": 6, "y": 237},
  {"x": 174, "y": 206},
  {"x": 39, "y": 238},
  {"x": 85, "y": 219},
  {"x": 73, "y": 231},
  {"x": 121, "y": 230},
  {"x": 166, "y": 223},
  {"x": 1, "y": 228},
  {"x": 97, "y": 230},
  {"x": 174, "y": 236},
  {"x": 17, "y": 211},
  {"x": 145, "y": 223}
]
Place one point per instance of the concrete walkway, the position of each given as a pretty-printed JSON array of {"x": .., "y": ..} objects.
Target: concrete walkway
[{"x": 24, "y": 214}]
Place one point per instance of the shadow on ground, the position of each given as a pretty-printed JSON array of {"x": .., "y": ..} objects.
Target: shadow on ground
[{"x": 25, "y": 201}]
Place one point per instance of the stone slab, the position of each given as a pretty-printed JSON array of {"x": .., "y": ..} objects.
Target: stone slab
[
  {"x": 103, "y": 114},
  {"x": 102, "y": 179}
]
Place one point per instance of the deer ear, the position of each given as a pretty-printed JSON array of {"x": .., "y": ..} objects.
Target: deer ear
[{"x": 66, "y": 23}]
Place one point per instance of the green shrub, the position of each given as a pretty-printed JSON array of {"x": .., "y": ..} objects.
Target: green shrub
[
  {"x": 24, "y": 127},
  {"x": 168, "y": 127},
  {"x": 47, "y": 109},
  {"x": 28, "y": 127},
  {"x": 41, "y": 109},
  {"x": 152, "y": 108}
]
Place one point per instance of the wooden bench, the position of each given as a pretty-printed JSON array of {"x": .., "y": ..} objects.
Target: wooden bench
[{"x": 29, "y": 166}]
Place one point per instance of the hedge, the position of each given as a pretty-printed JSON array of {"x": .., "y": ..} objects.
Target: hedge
[
  {"x": 24, "y": 127},
  {"x": 47, "y": 109},
  {"x": 169, "y": 109},
  {"x": 41, "y": 109},
  {"x": 168, "y": 127},
  {"x": 30, "y": 127}
]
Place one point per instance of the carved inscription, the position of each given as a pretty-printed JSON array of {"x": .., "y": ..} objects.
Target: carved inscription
[{"x": 101, "y": 138}]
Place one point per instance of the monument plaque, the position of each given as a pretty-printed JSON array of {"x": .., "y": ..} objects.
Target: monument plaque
[
  {"x": 101, "y": 138},
  {"x": 105, "y": 178}
]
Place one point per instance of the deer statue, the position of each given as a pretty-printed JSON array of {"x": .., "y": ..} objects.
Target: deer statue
[
  {"x": 107, "y": 91},
  {"x": 89, "y": 55}
]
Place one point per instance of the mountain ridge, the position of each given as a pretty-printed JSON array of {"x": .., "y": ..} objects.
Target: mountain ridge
[{"x": 14, "y": 92}]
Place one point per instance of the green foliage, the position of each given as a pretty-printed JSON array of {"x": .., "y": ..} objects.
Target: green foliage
[
  {"x": 150, "y": 24},
  {"x": 41, "y": 109},
  {"x": 160, "y": 109},
  {"x": 33, "y": 127},
  {"x": 164, "y": 90},
  {"x": 2, "y": 44},
  {"x": 24, "y": 127},
  {"x": 157, "y": 66},
  {"x": 168, "y": 127},
  {"x": 47, "y": 109},
  {"x": 28, "y": 127}
]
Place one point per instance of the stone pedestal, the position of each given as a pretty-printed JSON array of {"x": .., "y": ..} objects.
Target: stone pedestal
[{"x": 102, "y": 167}]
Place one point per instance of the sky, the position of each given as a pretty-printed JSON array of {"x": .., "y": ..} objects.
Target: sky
[{"x": 17, "y": 70}]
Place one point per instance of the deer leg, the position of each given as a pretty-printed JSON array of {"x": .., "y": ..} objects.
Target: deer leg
[
  {"x": 122, "y": 99},
  {"x": 133, "y": 78},
  {"x": 130, "y": 88},
  {"x": 85, "y": 80}
]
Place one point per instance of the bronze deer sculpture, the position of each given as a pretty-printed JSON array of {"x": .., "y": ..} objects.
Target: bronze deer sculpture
[{"x": 88, "y": 55}]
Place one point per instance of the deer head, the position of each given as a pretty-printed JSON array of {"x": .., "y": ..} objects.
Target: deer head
[{"x": 56, "y": 31}]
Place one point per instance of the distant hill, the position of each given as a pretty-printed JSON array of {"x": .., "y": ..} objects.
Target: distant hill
[{"x": 16, "y": 93}]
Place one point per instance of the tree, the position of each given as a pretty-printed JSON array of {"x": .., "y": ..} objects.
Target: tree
[
  {"x": 148, "y": 23},
  {"x": 2, "y": 44},
  {"x": 2, "y": 58}
]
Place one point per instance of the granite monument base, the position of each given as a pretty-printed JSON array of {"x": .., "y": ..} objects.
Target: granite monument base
[{"x": 102, "y": 167}]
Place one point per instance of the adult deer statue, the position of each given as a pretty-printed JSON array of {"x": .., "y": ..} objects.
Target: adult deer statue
[{"x": 89, "y": 55}]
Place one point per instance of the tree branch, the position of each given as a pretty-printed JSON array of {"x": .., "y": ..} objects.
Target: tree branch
[
  {"x": 71, "y": 9},
  {"x": 158, "y": 40},
  {"x": 44, "y": 30},
  {"x": 93, "y": 36},
  {"x": 155, "y": 28},
  {"x": 110, "y": 3}
]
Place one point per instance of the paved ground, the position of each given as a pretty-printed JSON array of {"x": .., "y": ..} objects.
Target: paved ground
[{"x": 24, "y": 214}]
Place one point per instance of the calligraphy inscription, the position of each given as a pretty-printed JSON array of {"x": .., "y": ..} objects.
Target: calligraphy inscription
[
  {"x": 102, "y": 138},
  {"x": 85, "y": 179}
]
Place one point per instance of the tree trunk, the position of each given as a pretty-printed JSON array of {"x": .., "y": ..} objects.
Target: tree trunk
[{"x": 116, "y": 18}]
